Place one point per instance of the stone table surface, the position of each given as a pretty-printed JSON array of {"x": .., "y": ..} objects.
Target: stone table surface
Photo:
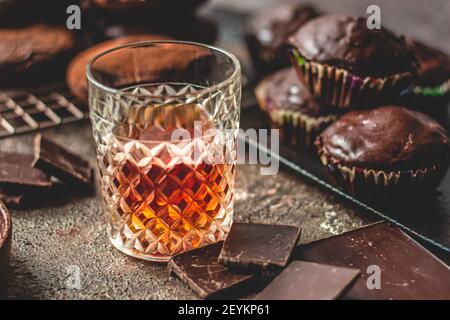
[{"x": 66, "y": 229}]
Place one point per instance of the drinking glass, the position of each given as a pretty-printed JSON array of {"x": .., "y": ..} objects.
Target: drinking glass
[{"x": 159, "y": 110}]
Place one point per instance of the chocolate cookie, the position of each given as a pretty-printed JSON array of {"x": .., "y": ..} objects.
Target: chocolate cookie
[
  {"x": 39, "y": 50},
  {"x": 381, "y": 152},
  {"x": 76, "y": 72},
  {"x": 358, "y": 67},
  {"x": 20, "y": 13},
  {"x": 267, "y": 32}
]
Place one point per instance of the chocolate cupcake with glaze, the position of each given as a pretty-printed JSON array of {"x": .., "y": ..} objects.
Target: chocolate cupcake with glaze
[
  {"x": 348, "y": 65},
  {"x": 431, "y": 90},
  {"x": 266, "y": 34},
  {"x": 290, "y": 107},
  {"x": 385, "y": 153}
]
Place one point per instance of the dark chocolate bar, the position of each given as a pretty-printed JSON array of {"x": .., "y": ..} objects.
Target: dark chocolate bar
[
  {"x": 59, "y": 162},
  {"x": 407, "y": 270},
  {"x": 258, "y": 247},
  {"x": 16, "y": 172},
  {"x": 201, "y": 270},
  {"x": 309, "y": 281}
]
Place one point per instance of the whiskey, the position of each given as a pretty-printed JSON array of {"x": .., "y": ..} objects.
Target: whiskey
[{"x": 163, "y": 196}]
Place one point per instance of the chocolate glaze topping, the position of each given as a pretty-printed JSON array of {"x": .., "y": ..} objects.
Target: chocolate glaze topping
[
  {"x": 388, "y": 137},
  {"x": 434, "y": 64},
  {"x": 272, "y": 27},
  {"x": 346, "y": 42},
  {"x": 285, "y": 91}
]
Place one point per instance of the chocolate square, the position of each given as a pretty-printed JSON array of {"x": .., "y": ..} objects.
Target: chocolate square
[
  {"x": 59, "y": 162},
  {"x": 258, "y": 247},
  {"x": 16, "y": 172},
  {"x": 408, "y": 270},
  {"x": 309, "y": 281},
  {"x": 201, "y": 270}
]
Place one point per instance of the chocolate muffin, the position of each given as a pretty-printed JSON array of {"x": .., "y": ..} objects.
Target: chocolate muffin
[
  {"x": 431, "y": 91},
  {"x": 76, "y": 71},
  {"x": 385, "y": 153},
  {"x": 38, "y": 51},
  {"x": 290, "y": 107},
  {"x": 266, "y": 34},
  {"x": 349, "y": 65}
]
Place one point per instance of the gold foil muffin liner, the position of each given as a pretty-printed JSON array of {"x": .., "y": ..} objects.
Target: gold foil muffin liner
[
  {"x": 296, "y": 128},
  {"x": 380, "y": 187},
  {"x": 339, "y": 88}
]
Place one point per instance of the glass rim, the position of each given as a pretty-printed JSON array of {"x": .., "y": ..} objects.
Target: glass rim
[{"x": 235, "y": 61}]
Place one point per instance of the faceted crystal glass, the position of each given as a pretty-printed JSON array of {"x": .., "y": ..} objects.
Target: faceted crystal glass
[{"x": 165, "y": 118}]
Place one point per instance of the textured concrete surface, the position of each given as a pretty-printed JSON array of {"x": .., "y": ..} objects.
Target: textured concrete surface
[{"x": 67, "y": 228}]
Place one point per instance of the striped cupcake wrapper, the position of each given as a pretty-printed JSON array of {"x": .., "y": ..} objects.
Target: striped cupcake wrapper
[
  {"x": 379, "y": 187},
  {"x": 339, "y": 88},
  {"x": 432, "y": 101},
  {"x": 296, "y": 128}
]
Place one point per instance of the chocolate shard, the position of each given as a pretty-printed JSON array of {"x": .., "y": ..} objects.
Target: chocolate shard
[
  {"x": 59, "y": 162},
  {"x": 309, "y": 281},
  {"x": 259, "y": 247},
  {"x": 201, "y": 270},
  {"x": 407, "y": 270},
  {"x": 16, "y": 172}
]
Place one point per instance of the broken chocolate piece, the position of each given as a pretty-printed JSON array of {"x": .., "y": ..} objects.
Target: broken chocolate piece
[
  {"x": 309, "y": 281},
  {"x": 258, "y": 247},
  {"x": 201, "y": 270},
  {"x": 407, "y": 270},
  {"x": 59, "y": 162},
  {"x": 16, "y": 171}
]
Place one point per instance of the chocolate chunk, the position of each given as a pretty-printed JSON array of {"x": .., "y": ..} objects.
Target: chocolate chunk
[
  {"x": 309, "y": 281},
  {"x": 59, "y": 162},
  {"x": 408, "y": 271},
  {"x": 201, "y": 270},
  {"x": 16, "y": 171},
  {"x": 260, "y": 247}
]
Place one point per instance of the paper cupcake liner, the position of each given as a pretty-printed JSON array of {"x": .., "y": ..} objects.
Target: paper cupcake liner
[
  {"x": 429, "y": 100},
  {"x": 339, "y": 88},
  {"x": 380, "y": 187},
  {"x": 296, "y": 128}
]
